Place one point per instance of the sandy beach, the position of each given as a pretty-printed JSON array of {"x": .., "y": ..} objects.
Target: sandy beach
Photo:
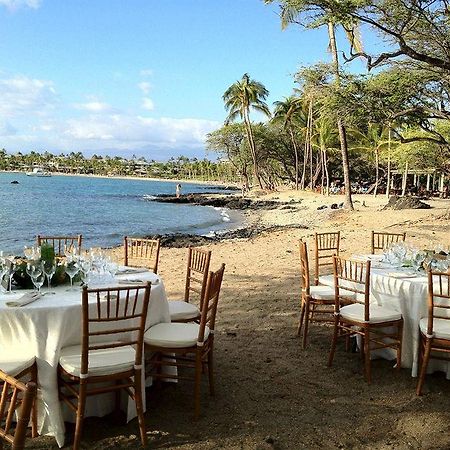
[{"x": 269, "y": 392}]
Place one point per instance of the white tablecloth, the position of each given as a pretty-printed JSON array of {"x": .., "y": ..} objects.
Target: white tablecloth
[
  {"x": 52, "y": 322},
  {"x": 407, "y": 295}
]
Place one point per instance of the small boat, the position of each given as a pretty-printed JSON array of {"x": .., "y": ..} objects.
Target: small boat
[{"x": 39, "y": 172}]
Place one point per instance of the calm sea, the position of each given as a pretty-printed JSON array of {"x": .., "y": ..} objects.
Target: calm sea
[{"x": 103, "y": 210}]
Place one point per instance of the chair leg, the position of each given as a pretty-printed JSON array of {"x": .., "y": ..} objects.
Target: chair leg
[
  {"x": 211, "y": 372},
  {"x": 334, "y": 341},
  {"x": 80, "y": 415},
  {"x": 305, "y": 330},
  {"x": 34, "y": 426},
  {"x": 367, "y": 356},
  {"x": 423, "y": 369},
  {"x": 139, "y": 405},
  {"x": 198, "y": 377},
  {"x": 302, "y": 316},
  {"x": 400, "y": 342}
]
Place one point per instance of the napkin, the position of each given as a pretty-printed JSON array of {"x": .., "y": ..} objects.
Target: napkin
[
  {"x": 135, "y": 281},
  {"x": 402, "y": 274},
  {"x": 26, "y": 299},
  {"x": 130, "y": 270}
]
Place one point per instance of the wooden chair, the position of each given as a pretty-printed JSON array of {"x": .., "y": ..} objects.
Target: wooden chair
[
  {"x": 113, "y": 324},
  {"x": 15, "y": 396},
  {"x": 356, "y": 316},
  {"x": 196, "y": 276},
  {"x": 316, "y": 301},
  {"x": 191, "y": 343},
  {"x": 381, "y": 240},
  {"x": 15, "y": 363},
  {"x": 141, "y": 252},
  {"x": 61, "y": 243},
  {"x": 435, "y": 329},
  {"x": 326, "y": 245}
]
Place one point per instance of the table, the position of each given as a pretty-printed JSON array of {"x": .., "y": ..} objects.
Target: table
[
  {"x": 52, "y": 322},
  {"x": 397, "y": 289}
]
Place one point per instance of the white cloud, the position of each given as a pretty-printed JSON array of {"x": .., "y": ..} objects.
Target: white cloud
[
  {"x": 6, "y": 129},
  {"x": 146, "y": 72},
  {"x": 94, "y": 106},
  {"x": 24, "y": 96},
  {"x": 145, "y": 87},
  {"x": 16, "y": 4},
  {"x": 147, "y": 103}
]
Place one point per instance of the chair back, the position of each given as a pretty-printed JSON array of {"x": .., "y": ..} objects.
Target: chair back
[
  {"x": 352, "y": 283},
  {"x": 380, "y": 240},
  {"x": 438, "y": 298},
  {"x": 304, "y": 268},
  {"x": 326, "y": 245},
  {"x": 15, "y": 394},
  {"x": 197, "y": 273},
  {"x": 142, "y": 252},
  {"x": 113, "y": 317},
  {"x": 61, "y": 243},
  {"x": 210, "y": 301}
]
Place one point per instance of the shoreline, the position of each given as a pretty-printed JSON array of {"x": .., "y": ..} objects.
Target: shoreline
[{"x": 136, "y": 178}]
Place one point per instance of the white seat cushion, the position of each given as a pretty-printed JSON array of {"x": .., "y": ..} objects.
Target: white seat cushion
[
  {"x": 181, "y": 310},
  {"x": 13, "y": 363},
  {"x": 441, "y": 327},
  {"x": 377, "y": 314},
  {"x": 101, "y": 362},
  {"x": 174, "y": 335},
  {"x": 322, "y": 292},
  {"x": 327, "y": 280}
]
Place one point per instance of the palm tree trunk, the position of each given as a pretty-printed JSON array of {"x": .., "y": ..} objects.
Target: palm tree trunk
[
  {"x": 251, "y": 143},
  {"x": 295, "y": 155},
  {"x": 348, "y": 203},
  {"x": 377, "y": 172}
]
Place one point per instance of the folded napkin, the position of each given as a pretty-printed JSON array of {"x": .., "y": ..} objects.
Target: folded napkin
[
  {"x": 130, "y": 270},
  {"x": 402, "y": 274},
  {"x": 135, "y": 281},
  {"x": 26, "y": 299}
]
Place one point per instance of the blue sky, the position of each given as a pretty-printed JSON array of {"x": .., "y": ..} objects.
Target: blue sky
[{"x": 142, "y": 77}]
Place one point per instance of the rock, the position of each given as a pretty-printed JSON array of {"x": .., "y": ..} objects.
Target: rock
[
  {"x": 334, "y": 206},
  {"x": 396, "y": 202},
  {"x": 322, "y": 207},
  {"x": 14, "y": 182}
]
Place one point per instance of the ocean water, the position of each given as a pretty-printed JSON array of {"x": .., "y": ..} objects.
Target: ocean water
[{"x": 103, "y": 210}]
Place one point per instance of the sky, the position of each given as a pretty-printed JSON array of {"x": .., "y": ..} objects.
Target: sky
[{"x": 142, "y": 77}]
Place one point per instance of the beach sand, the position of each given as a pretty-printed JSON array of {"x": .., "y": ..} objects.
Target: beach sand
[{"x": 269, "y": 392}]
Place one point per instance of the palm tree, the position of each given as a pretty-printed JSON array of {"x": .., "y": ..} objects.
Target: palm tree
[
  {"x": 239, "y": 98},
  {"x": 374, "y": 141},
  {"x": 286, "y": 111}
]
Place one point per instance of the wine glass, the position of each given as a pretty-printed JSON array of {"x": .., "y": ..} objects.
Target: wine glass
[
  {"x": 85, "y": 267},
  {"x": 13, "y": 267},
  {"x": 49, "y": 270},
  {"x": 72, "y": 268},
  {"x": 3, "y": 268},
  {"x": 38, "y": 277}
]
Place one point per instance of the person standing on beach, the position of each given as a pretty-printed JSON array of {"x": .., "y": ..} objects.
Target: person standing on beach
[{"x": 178, "y": 190}]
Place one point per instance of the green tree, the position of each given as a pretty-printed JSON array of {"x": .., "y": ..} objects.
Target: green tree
[{"x": 240, "y": 98}]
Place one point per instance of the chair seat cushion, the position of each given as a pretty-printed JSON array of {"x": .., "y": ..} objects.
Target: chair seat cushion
[
  {"x": 327, "y": 280},
  {"x": 101, "y": 362},
  {"x": 181, "y": 310},
  {"x": 174, "y": 335},
  {"x": 322, "y": 292},
  {"x": 377, "y": 314},
  {"x": 441, "y": 327},
  {"x": 14, "y": 363}
]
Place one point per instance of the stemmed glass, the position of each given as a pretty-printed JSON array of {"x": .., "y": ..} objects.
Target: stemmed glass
[
  {"x": 36, "y": 273},
  {"x": 3, "y": 269},
  {"x": 49, "y": 270},
  {"x": 72, "y": 268},
  {"x": 85, "y": 267},
  {"x": 12, "y": 270}
]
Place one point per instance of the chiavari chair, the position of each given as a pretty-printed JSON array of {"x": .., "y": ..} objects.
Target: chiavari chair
[
  {"x": 61, "y": 244},
  {"x": 326, "y": 245},
  {"x": 381, "y": 241},
  {"x": 141, "y": 252}
]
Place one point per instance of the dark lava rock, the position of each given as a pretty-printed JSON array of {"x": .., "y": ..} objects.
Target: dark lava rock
[
  {"x": 322, "y": 207},
  {"x": 396, "y": 202},
  {"x": 14, "y": 182}
]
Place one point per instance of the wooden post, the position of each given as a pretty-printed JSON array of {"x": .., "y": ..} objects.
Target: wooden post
[
  {"x": 428, "y": 181},
  {"x": 405, "y": 179}
]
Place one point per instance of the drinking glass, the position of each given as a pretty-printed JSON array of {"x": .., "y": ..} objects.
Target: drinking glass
[
  {"x": 49, "y": 271},
  {"x": 12, "y": 270},
  {"x": 38, "y": 277},
  {"x": 3, "y": 269},
  {"x": 72, "y": 268},
  {"x": 85, "y": 267}
]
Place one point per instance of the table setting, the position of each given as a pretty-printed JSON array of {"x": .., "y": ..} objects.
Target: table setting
[
  {"x": 399, "y": 280},
  {"x": 40, "y": 320}
]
